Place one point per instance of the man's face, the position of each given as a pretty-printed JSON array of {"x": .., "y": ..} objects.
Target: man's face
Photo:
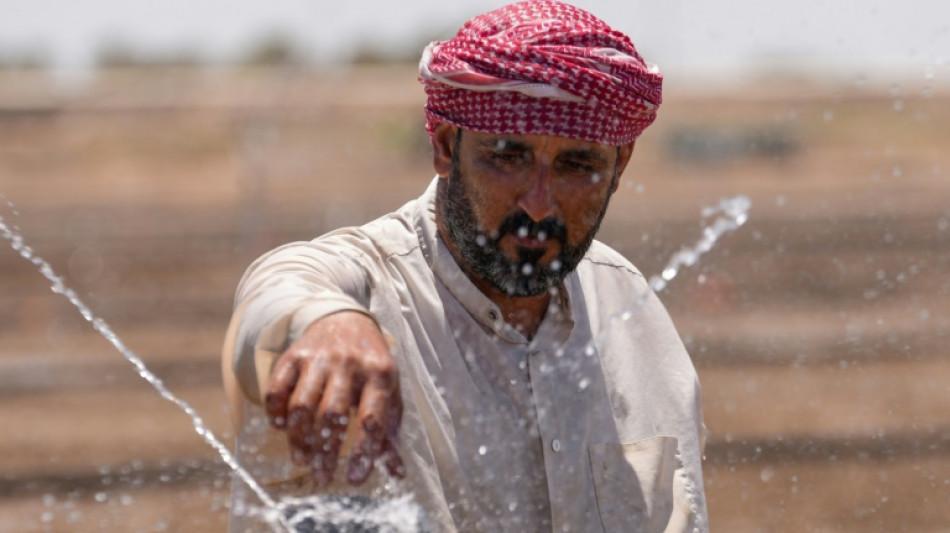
[{"x": 522, "y": 210}]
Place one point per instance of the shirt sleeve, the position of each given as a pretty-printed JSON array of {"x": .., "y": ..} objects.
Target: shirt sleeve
[{"x": 288, "y": 289}]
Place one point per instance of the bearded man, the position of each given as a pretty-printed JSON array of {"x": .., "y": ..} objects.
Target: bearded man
[{"x": 468, "y": 343}]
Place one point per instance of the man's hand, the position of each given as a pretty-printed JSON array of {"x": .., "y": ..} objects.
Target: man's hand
[{"x": 341, "y": 363}]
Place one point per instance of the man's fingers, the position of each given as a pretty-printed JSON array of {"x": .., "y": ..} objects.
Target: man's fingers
[
  {"x": 376, "y": 404},
  {"x": 370, "y": 431},
  {"x": 302, "y": 409},
  {"x": 392, "y": 460},
  {"x": 390, "y": 455},
  {"x": 333, "y": 417},
  {"x": 281, "y": 385},
  {"x": 341, "y": 365}
]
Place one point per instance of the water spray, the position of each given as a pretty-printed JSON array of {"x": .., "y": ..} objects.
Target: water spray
[
  {"x": 201, "y": 428},
  {"x": 293, "y": 514}
]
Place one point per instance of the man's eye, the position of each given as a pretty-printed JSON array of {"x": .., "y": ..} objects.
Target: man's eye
[
  {"x": 577, "y": 166},
  {"x": 508, "y": 157}
]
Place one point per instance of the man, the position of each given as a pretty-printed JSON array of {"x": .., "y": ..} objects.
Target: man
[{"x": 468, "y": 343}]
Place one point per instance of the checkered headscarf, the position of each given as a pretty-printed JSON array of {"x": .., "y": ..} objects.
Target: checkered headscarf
[{"x": 541, "y": 67}]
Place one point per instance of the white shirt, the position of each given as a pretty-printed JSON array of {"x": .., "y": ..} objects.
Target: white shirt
[{"x": 593, "y": 425}]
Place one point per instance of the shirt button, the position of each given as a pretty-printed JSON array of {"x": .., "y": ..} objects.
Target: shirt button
[
  {"x": 556, "y": 445},
  {"x": 493, "y": 315}
]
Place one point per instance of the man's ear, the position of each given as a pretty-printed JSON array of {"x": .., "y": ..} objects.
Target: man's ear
[
  {"x": 443, "y": 143},
  {"x": 623, "y": 157}
]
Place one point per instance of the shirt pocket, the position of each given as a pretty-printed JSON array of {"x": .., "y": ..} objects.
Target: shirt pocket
[{"x": 635, "y": 484}]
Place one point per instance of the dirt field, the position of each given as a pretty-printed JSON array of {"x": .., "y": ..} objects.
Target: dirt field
[{"x": 819, "y": 329}]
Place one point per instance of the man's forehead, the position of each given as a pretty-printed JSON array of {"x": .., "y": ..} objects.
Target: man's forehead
[{"x": 532, "y": 142}]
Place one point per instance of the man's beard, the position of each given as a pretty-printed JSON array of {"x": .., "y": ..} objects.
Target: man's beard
[{"x": 481, "y": 250}]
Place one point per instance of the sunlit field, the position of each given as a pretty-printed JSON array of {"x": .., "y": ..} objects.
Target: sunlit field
[{"x": 819, "y": 328}]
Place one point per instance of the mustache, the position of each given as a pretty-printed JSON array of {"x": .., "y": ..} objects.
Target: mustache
[{"x": 519, "y": 223}]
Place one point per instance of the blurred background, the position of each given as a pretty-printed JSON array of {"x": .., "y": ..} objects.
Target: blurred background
[{"x": 150, "y": 151}]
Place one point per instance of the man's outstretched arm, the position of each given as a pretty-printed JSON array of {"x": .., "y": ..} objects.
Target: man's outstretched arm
[{"x": 306, "y": 347}]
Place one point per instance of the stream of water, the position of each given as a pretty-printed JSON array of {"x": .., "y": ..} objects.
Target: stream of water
[
  {"x": 297, "y": 514},
  {"x": 58, "y": 286}
]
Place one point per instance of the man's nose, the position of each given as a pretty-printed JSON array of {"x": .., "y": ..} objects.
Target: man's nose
[{"x": 537, "y": 199}]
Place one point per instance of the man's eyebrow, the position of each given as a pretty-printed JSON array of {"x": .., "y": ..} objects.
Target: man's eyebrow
[
  {"x": 502, "y": 143},
  {"x": 590, "y": 156}
]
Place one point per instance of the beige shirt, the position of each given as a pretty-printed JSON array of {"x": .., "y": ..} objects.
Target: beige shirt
[{"x": 592, "y": 425}]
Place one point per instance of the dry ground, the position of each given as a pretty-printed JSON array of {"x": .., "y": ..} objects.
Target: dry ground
[{"x": 819, "y": 330}]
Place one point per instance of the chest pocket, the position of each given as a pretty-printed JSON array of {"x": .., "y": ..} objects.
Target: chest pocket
[{"x": 640, "y": 486}]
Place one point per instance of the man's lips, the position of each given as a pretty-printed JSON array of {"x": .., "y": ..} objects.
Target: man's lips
[{"x": 531, "y": 242}]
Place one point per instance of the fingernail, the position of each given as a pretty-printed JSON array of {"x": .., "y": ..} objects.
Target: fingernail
[
  {"x": 371, "y": 425},
  {"x": 359, "y": 468},
  {"x": 400, "y": 471},
  {"x": 395, "y": 465}
]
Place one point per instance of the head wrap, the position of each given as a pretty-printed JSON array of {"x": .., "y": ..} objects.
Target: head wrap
[{"x": 541, "y": 67}]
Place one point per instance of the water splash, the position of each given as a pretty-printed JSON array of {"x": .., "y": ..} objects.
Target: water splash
[
  {"x": 401, "y": 514},
  {"x": 730, "y": 214},
  {"x": 12, "y": 234},
  {"x": 313, "y": 514}
]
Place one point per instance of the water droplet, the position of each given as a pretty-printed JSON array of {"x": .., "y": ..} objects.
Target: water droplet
[
  {"x": 669, "y": 273},
  {"x": 482, "y": 450},
  {"x": 583, "y": 384}
]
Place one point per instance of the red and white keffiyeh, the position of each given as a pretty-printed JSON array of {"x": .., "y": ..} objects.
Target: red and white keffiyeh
[{"x": 541, "y": 67}]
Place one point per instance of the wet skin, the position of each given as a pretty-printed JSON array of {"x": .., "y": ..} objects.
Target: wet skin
[
  {"x": 557, "y": 185},
  {"x": 342, "y": 364}
]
